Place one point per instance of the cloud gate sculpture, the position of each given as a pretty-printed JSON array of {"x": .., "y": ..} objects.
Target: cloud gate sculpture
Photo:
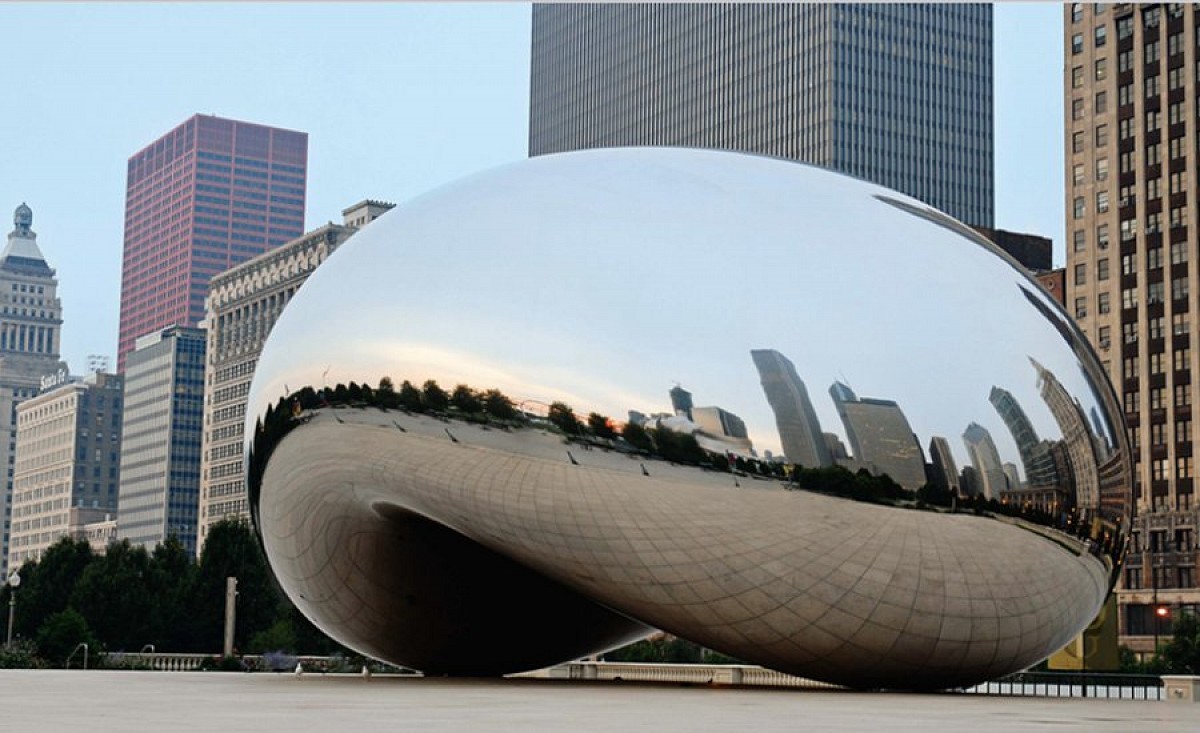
[{"x": 795, "y": 417}]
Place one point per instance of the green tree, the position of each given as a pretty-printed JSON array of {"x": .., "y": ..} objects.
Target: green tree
[
  {"x": 278, "y": 637},
  {"x": 465, "y": 399},
  {"x": 678, "y": 447},
  {"x": 386, "y": 395},
  {"x": 115, "y": 597},
  {"x": 172, "y": 575},
  {"x": 46, "y": 586},
  {"x": 231, "y": 549},
  {"x": 409, "y": 397},
  {"x": 499, "y": 406},
  {"x": 601, "y": 426},
  {"x": 563, "y": 417},
  {"x": 61, "y": 633},
  {"x": 1182, "y": 654},
  {"x": 434, "y": 397},
  {"x": 637, "y": 436}
]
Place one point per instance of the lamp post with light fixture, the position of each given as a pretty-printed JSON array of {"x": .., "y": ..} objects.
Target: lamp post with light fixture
[{"x": 13, "y": 581}]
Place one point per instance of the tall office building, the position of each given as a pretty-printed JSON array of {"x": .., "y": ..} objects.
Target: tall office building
[
  {"x": 68, "y": 459},
  {"x": 243, "y": 305},
  {"x": 988, "y": 477},
  {"x": 945, "y": 471},
  {"x": 1130, "y": 109},
  {"x": 898, "y": 94},
  {"x": 1036, "y": 457},
  {"x": 797, "y": 422},
  {"x": 207, "y": 195},
  {"x": 880, "y": 437},
  {"x": 30, "y": 319},
  {"x": 160, "y": 441}
]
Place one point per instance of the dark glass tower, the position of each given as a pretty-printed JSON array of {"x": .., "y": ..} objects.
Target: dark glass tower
[{"x": 898, "y": 94}]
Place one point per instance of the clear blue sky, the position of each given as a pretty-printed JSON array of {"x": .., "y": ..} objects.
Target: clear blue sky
[{"x": 396, "y": 99}]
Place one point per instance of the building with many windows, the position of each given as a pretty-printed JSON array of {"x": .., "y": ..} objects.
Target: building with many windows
[
  {"x": 207, "y": 195},
  {"x": 897, "y": 94},
  {"x": 1130, "y": 112},
  {"x": 30, "y": 319},
  {"x": 68, "y": 461},
  {"x": 243, "y": 304},
  {"x": 160, "y": 443}
]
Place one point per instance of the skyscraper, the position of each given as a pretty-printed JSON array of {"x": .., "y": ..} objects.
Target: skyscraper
[
  {"x": 243, "y": 305},
  {"x": 160, "y": 443},
  {"x": 985, "y": 459},
  {"x": 207, "y": 195},
  {"x": 1130, "y": 121},
  {"x": 795, "y": 418},
  {"x": 880, "y": 437},
  {"x": 1035, "y": 454},
  {"x": 945, "y": 471},
  {"x": 898, "y": 94},
  {"x": 1077, "y": 438},
  {"x": 30, "y": 319}
]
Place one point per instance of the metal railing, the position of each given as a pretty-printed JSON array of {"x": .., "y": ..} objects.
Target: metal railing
[
  {"x": 1075, "y": 684},
  {"x": 1032, "y": 684},
  {"x": 169, "y": 662}
]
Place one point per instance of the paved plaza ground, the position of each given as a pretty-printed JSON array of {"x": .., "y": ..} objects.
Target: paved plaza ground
[{"x": 212, "y": 701}]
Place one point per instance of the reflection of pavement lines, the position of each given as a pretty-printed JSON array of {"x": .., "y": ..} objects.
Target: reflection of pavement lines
[{"x": 798, "y": 581}]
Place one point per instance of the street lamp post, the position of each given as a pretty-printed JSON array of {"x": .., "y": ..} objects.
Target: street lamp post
[{"x": 13, "y": 581}]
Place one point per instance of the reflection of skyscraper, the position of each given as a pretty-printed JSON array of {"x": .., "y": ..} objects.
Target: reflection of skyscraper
[
  {"x": 1037, "y": 461},
  {"x": 837, "y": 449},
  {"x": 1103, "y": 448},
  {"x": 681, "y": 401},
  {"x": 989, "y": 474},
  {"x": 880, "y": 436},
  {"x": 945, "y": 471},
  {"x": 799, "y": 429},
  {"x": 1080, "y": 450},
  {"x": 1011, "y": 476}
]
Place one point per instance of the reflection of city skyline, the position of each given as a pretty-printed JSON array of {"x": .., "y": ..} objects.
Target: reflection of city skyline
[
  {"x": 1045, "y": 473},
  {"x": 714, "y": 428},
  {"x": 880, "y": 437}
]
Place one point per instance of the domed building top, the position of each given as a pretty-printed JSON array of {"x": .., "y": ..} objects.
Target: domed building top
[
  {"x": 23, "y": 218},
  {"x": 22, "y": 252}
]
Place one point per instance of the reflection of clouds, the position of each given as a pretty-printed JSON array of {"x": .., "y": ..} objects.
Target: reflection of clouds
[
  {"x": 486, "y": 284},
  {"x": 366, "y": 361}
]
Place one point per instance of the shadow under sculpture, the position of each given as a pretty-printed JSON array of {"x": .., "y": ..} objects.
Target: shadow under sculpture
[{"x": 948, "y": 502}]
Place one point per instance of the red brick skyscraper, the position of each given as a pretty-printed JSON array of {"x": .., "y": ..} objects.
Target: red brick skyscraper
[{"x": 207, "y": 195}]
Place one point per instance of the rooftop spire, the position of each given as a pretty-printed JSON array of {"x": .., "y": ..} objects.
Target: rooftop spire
[{"x": 22, "y": 220}]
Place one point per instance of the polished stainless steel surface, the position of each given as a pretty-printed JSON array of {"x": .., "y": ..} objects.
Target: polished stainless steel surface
[{"x": 860, "y": 444}]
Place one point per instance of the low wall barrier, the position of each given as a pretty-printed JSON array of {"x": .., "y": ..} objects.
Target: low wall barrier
[
  {"x": 1032, "y": 684},
  {"x": 700, "y": 674}
]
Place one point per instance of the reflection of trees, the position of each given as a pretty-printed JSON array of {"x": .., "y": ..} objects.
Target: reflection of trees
[{"x": 493, "y": 407}]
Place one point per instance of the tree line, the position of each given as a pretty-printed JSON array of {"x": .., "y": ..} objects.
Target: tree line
[{"x": 129, "y": 598}]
